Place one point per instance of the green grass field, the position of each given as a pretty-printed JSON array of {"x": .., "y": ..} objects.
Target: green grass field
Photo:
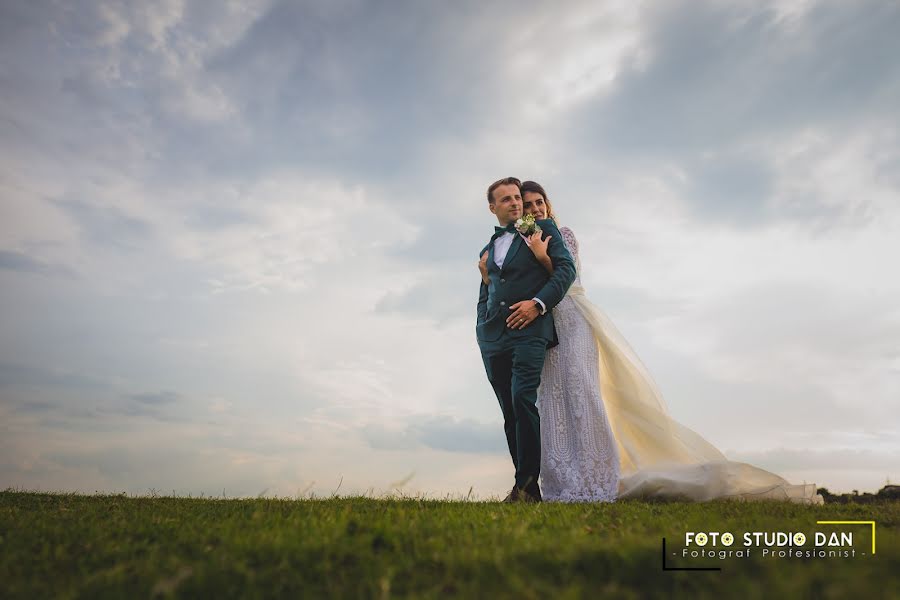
[{"x": 62, "y": 546}]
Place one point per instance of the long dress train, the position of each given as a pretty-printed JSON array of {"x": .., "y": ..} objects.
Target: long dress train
[{"x": 659, "y": 457}]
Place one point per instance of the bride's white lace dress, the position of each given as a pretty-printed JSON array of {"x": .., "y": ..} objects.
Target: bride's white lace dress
[
  {"x": 579, "y": 459},
  {"x": 616, "y": 439}
]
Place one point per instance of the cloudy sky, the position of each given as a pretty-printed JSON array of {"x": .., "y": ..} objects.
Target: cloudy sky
[{"x": 238, "y": 240}]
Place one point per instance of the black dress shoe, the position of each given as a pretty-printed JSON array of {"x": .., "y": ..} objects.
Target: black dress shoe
[
  {"x": 530, "y": 493},
  {"x": 512, "y": 496}
]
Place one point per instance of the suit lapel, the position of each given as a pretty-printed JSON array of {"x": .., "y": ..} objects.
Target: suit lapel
[{"x": 514, "y": 247}]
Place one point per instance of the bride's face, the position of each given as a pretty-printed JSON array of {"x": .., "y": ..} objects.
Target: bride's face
[{"x": 533, "y": 204}]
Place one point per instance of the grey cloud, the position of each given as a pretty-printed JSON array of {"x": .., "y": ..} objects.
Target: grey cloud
[
  {"x": 439, "y": 300},
  {"x": 727, "y": 82},
  {"x": 30, "y": 407},
  {"x": 22, "y": 262},
  {"x": 117, "y": 464},
  {"x": 212, "y": 217},
  {"x": 19, "y": 21},
  {"x": 107, "y": 225},
  {"x": 380, "y": 438},
  {"x": 314, "y": 85},
  {"x": 160, "y": 465},
  {"x": 355, "y": 91},
  {"x": 358, "y": 90},
  {"x": 166, "y": 406},
  {"x": 61, "y": 105},
  {"x": 731, "y": 188},
  {"x": 320, "y": 111},
  {"x": 439, "y": 433},
  {"x": 13, "y": 374},
  {"x": 719, "y": 71},
  {"x": 64, "y": 398},
  {"x": 156, "y": 398},
  {"x": 463, "y": 435},
  {"x": 187, "y": 467},
  {"x": 142, "y": 410},
  {"x": 55, "y": 410}
]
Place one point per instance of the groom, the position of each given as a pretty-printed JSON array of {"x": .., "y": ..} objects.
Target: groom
[{"x": 515, "y": 327}]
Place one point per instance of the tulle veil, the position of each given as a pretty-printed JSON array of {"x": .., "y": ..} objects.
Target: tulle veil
[{"x": 659, "y": 457}]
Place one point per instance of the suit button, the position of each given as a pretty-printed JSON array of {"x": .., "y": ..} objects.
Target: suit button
[
  {"x": 502, "y": 303},
  {"x": 502, "y": 281}
]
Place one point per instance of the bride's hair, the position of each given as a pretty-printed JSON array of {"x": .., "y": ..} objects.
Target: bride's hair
[{"x": 534, "y": 186}]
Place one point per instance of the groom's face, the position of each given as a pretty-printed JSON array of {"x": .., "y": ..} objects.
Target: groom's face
[{"x": 507, "y": 204}]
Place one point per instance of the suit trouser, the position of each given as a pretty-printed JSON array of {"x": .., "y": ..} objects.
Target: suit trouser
[{"x": 514, "y": 370}]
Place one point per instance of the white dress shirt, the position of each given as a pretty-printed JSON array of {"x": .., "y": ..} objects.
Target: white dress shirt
[{"x": 501, "y": 247}]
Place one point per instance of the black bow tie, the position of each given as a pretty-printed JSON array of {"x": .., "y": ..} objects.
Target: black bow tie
[{"x": 511, "y": 228}]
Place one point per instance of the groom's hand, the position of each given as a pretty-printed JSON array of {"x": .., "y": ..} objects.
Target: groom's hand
[{"x": 523, "y": 313}]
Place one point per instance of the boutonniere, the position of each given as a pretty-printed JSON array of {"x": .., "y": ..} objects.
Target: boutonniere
[{"x": 526, "y": 226}]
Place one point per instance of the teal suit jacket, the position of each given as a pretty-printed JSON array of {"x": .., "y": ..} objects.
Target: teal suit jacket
[{"x": 523, "y": 278}]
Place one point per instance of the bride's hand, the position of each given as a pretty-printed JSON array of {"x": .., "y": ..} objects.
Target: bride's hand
[
  {"x": 482, "y": 266},
  {"x": 537, "y": 245}
]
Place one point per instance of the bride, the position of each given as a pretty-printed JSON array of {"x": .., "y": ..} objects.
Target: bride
[{"x": 605, "y": 431}]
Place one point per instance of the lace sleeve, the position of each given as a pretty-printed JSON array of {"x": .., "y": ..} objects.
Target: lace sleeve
[
  {"x": 570, "y": 241},
  {"x": 572, "y": 244}
]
